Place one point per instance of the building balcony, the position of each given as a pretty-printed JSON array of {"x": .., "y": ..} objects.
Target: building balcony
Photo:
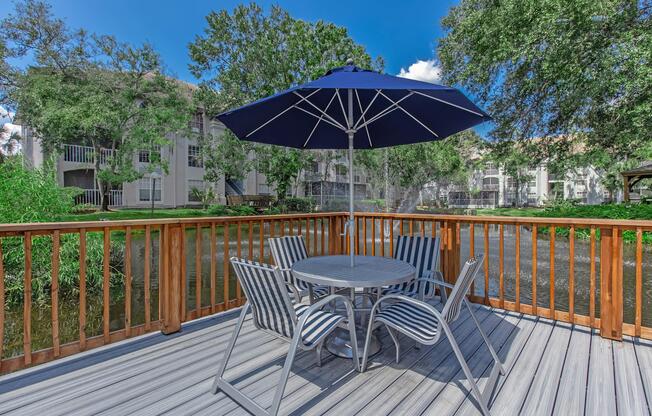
[{"x": 84, "y": 154}]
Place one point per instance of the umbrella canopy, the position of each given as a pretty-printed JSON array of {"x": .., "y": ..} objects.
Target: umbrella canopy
[
  {"x": 350, "y": 107},
  {"x": 381, "y": 110}
]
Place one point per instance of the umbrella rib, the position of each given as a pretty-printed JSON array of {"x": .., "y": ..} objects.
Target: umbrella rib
[
  {"x": 284, "y": 111},
  {"x": 348, "y": 122},
  {"x": 320, "y": 119},
  {"x": 449, "y": 103},
  {"x": 323, "y": 119},
  {"x": 411, "y": 116},
  {"x": 333, "y": 121},
  {"x": 365, "y": 110},
  {"x": 387, "y": 110},
  {"x": 362, "y": 116}
]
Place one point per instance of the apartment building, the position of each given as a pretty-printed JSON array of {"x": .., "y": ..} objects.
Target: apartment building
[{"x": 491, "y": 187}]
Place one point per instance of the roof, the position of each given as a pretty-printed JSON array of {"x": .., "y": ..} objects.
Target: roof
[{"x": 644, "y": 168}]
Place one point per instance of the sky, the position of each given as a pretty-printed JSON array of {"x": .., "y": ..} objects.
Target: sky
[{"x": 402, "y": 35}]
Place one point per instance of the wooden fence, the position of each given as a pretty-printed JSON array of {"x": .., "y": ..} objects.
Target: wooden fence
[{"x": 185, "y": 293}]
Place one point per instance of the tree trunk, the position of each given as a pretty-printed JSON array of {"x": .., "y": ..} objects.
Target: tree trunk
[{"x": 101, "y": 185}]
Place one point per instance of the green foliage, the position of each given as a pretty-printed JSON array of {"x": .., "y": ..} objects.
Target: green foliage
[
  {"x": 31, "y": 195},
  {"x": 92, "y": 90},
  {"x": 226, "y": 156},
  {"x": 205, "y": 196},
  {"x": 554, "y": 67},
  {"x": 296, "y": 205},
  {"x": 231, "y": 210},
  {"x": 281, "y": 166}
]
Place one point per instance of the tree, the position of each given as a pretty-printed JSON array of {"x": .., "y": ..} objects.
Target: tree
[
  {"x": 547, "y": 68},
  {"x": 226, "y": 156},
  {"x": 281, "y": 166},
  {"x": 93, "y": 90},
  {"x": 513, "y": 157},
  {"x": 248, "y": 54}
]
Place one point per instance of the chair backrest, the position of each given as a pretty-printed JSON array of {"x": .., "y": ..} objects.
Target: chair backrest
[
  {"x": 286, "y": 251},
  {"x": 421, "y": 252},
  {"x": 453, "y": 305},
  {"x": 268, "y": 296}
]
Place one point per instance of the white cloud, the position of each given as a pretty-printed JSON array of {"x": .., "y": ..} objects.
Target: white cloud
[{"x": 422, "y": 71}]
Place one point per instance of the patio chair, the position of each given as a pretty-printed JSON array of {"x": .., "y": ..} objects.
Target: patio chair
[
  {"x": 423, "y": 254},
  {"x": 423, "y": 323},
  {"x": 304, "y": 326},
  {"x": 286, "y": 251}
]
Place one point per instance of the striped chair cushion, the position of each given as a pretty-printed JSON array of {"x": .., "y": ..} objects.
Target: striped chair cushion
[
  {"x": 411, "y": 319},
  {"x": 453, "y": 305},
  {"x": 422, "y": 253},
  {"x": 268, "y": 296},
  {"x": 318, "y": 325},
  {"x": 287, "y": 251}
]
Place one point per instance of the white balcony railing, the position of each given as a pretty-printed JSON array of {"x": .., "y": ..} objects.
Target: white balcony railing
[
  {"x": 93, "y": 197},
  {"x": 84, "y": 154}
]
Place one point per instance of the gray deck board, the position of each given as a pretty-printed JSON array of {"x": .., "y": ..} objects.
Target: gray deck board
[{"x": 552, "y": 368}]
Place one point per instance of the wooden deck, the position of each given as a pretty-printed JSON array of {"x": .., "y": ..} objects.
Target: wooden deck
[{"x": 553, "y": 368}]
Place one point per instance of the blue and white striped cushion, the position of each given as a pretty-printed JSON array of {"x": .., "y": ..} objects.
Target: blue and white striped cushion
[
  {"x": 411, "y": 319},
  {"x": 422, "y": 253},
  {"x": 454, "y": 303},
  {"x": 318, "y": 325},
  {"x": 287, "y": 251}
]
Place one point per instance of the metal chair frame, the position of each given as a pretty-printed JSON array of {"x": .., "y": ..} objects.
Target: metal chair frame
[{"x": 229, "y": 389}]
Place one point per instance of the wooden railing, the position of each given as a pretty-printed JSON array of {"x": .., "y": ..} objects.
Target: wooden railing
[
  {"x": 601, "y": 282},
  {"x": 153, "y": 275}
]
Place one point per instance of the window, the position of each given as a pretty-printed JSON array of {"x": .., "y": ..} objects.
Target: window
[
  {"x": 340, "y": 170},
  {"x": 192, "y": 186},
  {"x": 147, "y": 187},
  {"x": 196, "y": 123},
  {"x": 145, "y": 156},
  {"x": 194, "y": 156}
]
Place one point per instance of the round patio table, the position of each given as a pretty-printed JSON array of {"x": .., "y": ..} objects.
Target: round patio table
[{"x": 369, "y": 272}]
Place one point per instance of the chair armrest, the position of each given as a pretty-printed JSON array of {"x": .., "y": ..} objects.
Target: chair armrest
[{"x": 323, "y": 302}]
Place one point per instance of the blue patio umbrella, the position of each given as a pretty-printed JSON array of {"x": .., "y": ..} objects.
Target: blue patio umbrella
[{"x": 355, "y": 108}]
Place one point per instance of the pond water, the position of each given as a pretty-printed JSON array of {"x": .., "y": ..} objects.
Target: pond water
[{"x": 69, "y": 308}]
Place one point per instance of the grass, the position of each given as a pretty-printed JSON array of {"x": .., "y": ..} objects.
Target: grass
[{"x": 137, "y": 214}]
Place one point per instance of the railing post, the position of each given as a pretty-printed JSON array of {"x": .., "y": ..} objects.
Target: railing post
[
  {"x": 170, "y": 284},
  {"x": 611, "y": 284}
]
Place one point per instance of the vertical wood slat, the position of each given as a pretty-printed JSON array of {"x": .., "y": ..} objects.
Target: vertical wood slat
[
  {"x": 534, "y": 269},
  {"x": 2, "y": 304},
  {"x": 571, "y": 274},
  {"x": 27, "y": 301},
  {"x": 592, "y": 278},
  {"x": 147, "y": 276},
  {"x": 423, "y": 228},
  {"x": 364, "y": 235},
  {"x": 250, "y": 245},
  {"x": 400, "y": 227},
  {"x": 82, "y": 289},
  {"x": 238, "y": 289},
  {"x": 162, "y": 267},
  {"x": 106, "y": 275},
  {"x": 54, "y": 292},
  {"x": 638, "y": 314},
  {"x": 552, "y": 272},
  {"x": 501, "y": 265},
  {"x": 272, "y": 229},
  {"x": 226, "y": 265},
  {"x": 486, "y": 263},
  {"x": 391, "y": 236},
  {"x": 373, "y": 236},
  {"x": 214, "y": 265},
  {"x": 323, "y": 237},
  {"x": 261, "y": 242},
  {"x": 314, "y": 237},
  {"x": 411, "y": 225},
  {"x": 382, "y": 236},
  {"x": 128, "y": 281},
  {"x": 184, "y": 285},
  {"x": 517, "y": 266},
  {"x": 198, "y": 285},
  {"x": 611, "y": 284},
  {"x": 357, "y": 236},
  {"x": 307, "y": 235}
]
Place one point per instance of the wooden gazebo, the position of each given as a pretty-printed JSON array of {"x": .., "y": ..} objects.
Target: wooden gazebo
[{"x": 634, "y": 176}]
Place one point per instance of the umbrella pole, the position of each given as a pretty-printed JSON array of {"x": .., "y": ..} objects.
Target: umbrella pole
[{"x": 351, "y": 219}]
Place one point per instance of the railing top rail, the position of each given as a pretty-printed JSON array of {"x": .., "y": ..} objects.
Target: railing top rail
[{"x": 91, "y": 225}]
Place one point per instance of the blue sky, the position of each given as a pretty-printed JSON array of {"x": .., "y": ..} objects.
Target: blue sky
[{"x": 401, "y": 33}]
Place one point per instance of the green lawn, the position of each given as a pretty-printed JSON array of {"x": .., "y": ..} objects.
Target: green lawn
[
  {"x": 137, "y": 214},
  {"x": 568, "y": 210}
]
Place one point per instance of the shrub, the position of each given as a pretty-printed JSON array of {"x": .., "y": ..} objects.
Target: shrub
[
  {"x": 231, "y": 210},
  {"x": 296, "y": 205}
]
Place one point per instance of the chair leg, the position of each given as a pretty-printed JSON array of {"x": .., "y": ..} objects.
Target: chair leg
[
  {"x": 365, "y": 351},
  {"x": 318, "y": 349},
  {"x": 397, "y": 346},
  {"x": 285, "y": 374},
  {"x": 494, "y": 355},
  {"x": 467, "y": 371},
  {"x": 229, "y": 348}
]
